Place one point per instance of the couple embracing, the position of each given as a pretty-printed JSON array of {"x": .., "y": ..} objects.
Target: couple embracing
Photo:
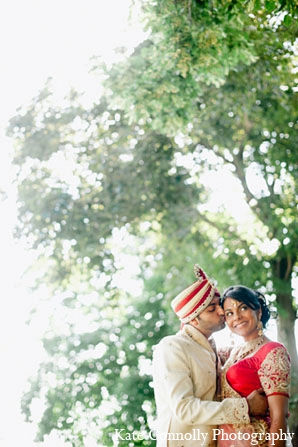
[{"x": 234, "y": 398}]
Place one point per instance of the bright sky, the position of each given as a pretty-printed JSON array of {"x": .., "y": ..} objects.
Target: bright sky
[{"x": 39, "y": 39}]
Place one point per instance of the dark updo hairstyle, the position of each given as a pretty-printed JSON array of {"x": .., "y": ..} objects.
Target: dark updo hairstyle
[{"x": 252, "y": 298}]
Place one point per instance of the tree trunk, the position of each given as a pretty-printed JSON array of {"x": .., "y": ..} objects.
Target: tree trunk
[
  {"x": 287, "y": 314},
  {"x": 286, "y": 335}
]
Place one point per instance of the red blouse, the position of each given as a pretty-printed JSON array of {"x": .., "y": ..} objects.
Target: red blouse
[{"x": 268, "y": 368}]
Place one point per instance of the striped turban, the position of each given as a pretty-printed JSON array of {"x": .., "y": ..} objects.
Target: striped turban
[{"x": 195, "y": 298}]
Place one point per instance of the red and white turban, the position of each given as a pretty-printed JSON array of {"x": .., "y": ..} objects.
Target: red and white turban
[{"x": 195, "y": 298}]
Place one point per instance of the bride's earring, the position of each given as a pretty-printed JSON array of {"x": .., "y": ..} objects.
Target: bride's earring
[{"x": 260, "y": 328}]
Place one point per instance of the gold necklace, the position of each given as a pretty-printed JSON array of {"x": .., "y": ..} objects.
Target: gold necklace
[{"x": 244, "y": 350}]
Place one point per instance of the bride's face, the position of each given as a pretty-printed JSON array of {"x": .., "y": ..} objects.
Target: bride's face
[{"x": 241, "y": 319}]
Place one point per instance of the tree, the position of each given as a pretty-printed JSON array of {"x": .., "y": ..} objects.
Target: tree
[
  {"x": 78, "y": 192},
  {"x": 217, "y": 96},
  {"x": 223, "y": 76}
]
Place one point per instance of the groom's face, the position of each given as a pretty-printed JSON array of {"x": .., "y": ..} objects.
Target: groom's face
[{"x": 211, "y": 319}]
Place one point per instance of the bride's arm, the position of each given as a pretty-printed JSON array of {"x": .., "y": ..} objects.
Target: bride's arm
[
  {"x": 274, "y": 374},
  {"x": 278, "y": 407}
]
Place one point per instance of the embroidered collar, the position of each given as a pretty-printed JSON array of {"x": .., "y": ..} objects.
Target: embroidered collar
[{"x": 193, "y": 333}]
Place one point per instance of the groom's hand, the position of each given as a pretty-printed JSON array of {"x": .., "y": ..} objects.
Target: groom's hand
[{"x": 257, "y": 403}]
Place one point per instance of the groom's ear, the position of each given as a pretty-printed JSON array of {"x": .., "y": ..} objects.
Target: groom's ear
[{"x": 194, "y": 322}]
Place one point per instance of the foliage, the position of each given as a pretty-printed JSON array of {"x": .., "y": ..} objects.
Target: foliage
[
  {"x": 233, "y": 96},
  {"x": 71, "y": 201},
  {"x": 194, "y": 45}
]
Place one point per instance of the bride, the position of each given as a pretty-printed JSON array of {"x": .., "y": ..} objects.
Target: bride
[{"x": 258, "y": 363}]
